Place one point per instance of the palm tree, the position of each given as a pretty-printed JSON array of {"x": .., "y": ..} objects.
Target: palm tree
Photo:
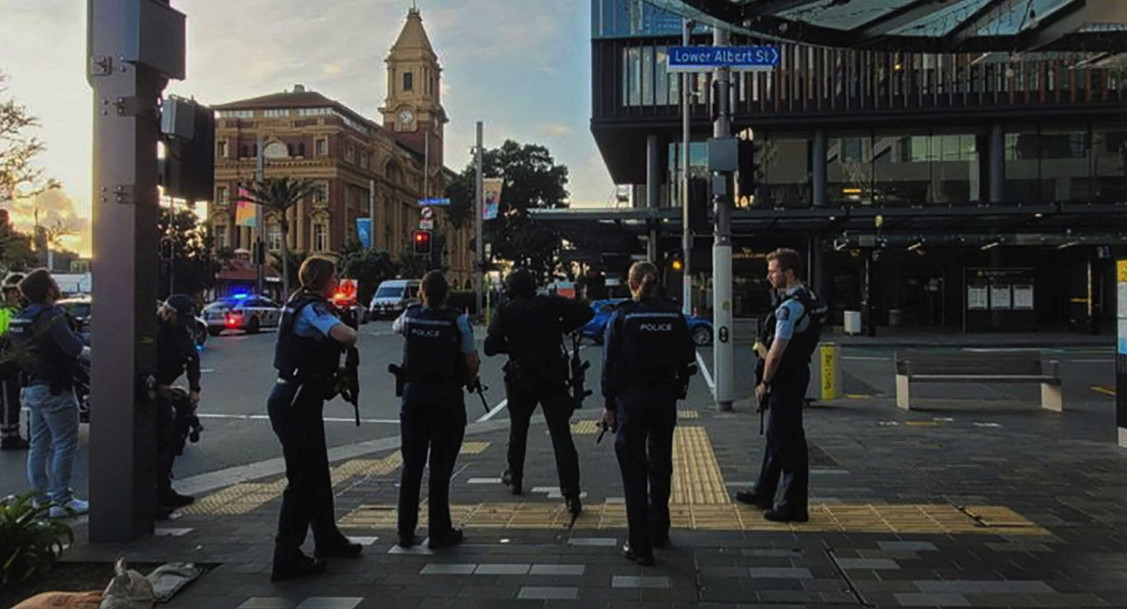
[{"x": 280, "y": 194}]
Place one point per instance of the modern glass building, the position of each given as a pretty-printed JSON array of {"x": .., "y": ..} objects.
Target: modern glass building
[{"x": 972, "y": 190}]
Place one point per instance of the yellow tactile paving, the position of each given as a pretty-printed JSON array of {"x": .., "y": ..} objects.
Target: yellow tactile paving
[
  {"x": 473, "y": 448},
  {"x": 696, "y": 475},
  {"x": 837, "y": 518},
  {"x": 238, "y": 499},
  {"x": 688, "y": 414},
  {"x": 585, "y": 427}
]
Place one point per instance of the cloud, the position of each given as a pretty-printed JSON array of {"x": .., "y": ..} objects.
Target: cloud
[
  {"x": 54, "y": 208},
  {"x": 554, "y": 130},
  {"x": 332, "y": 68}
]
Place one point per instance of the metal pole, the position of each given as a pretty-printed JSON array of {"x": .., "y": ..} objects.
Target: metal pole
[
  {"x": 126, "y": 124},
  {"x": 479, "y": 260},
  {"x": 257, "y": 233},
  {"x": 722, "y": 352},
  {"x": 372, "y": 213},
  {"x": 686, "y": 139}
]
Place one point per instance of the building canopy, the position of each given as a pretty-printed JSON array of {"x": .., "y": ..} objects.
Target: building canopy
[{"x": 922, "y": 25}]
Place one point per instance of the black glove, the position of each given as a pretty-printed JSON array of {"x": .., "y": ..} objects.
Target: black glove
[{"x": 348, "y": 316}]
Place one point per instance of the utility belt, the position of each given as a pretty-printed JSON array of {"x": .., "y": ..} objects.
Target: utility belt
[
  {"x": 659, "y": 376},
  {"x": 322, "y": 382}
]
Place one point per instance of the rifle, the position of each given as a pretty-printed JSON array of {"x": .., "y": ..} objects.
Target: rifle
[
  {"x": 475, "y": 386},
  {"x": 400, "y": 378},
  {"x": 578, "y": 368},
  {"x": 350, "y": 381},
  {"x": 603, "y": 427}
]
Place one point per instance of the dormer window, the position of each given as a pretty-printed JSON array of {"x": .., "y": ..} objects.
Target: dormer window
[{"x": 408, "y": 81}]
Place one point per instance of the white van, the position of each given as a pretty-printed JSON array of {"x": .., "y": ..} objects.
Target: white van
[{"x": 393, "y": 297}]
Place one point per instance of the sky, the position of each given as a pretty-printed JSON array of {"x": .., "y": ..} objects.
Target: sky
[{"x": 525, "y": 73}]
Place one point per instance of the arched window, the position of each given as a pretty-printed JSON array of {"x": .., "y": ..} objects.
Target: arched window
[{"x": 276, "y": 150}]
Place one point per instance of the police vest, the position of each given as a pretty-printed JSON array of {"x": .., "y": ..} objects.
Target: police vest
[
  {"x": 807, "y": 329},
  {"x": 304, "y": 358},
  {"x": 654, "y": 338},
  {"x": 534, "y": 336},
  {"x": 36, "y": 352},
  {"x": 432, "y": 353}
]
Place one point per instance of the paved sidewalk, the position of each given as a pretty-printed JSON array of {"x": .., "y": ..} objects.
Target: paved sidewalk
[{"x": 969, "y": 506}]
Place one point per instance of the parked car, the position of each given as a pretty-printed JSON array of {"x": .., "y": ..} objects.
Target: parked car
[
  {"x": 241, "y": 312},
  {"x": 393, "y": 297},
  {"x": 699, "y": 328},
  {"x": 78, "y": 310}
]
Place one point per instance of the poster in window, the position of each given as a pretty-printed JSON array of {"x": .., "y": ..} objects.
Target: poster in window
[
  {"x": 976, "y": 297},
  {"x": 1023, "y": 297},
  {"x": 1000, "y": 297}
]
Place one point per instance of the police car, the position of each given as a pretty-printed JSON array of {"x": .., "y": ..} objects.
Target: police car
[
  {"x": 241, "y": 312},
  {"x": 699, "y": 328}
]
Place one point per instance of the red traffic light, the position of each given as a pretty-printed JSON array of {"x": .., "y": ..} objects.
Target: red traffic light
[{"x": 422, "y": 241}]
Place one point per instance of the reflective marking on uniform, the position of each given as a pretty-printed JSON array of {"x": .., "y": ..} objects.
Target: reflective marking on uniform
[
  {"x": 428, "y": 322},
  {"x": 656, "y": 314}
]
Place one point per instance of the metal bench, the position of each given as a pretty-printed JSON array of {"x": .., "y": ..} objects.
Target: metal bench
[{"x": 1022, "y": 367}]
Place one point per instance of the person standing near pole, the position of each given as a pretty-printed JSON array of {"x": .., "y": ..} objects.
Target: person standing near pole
[
  {"x": 530, "y": 329},
  {"x": 311, "y": 339},
  {"x": 648, "y": 356},
  {"x": 786, "y": 373},
  {"x": 439, "y": 358},
  {"x": 10, "y": 438}
]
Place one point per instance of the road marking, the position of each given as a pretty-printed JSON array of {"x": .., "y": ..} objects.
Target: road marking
[
  {"x": 206, "y": 370},
  {"x": 999, "y": 349},
  {"x": 262, "y": 417},
  {"x": 498, "y": 408},
  {"x": 871, "y": 358},
  {"x": 704, "y": 372},
  {"x": 1104, "y": 389},
  {"x": 1091, "y": 361},
  {"x": 697, "y": 479}
]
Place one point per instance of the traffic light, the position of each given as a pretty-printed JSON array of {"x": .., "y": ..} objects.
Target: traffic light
[
  {"x": 747, "y": 179},
  {"x": 421, "y": 238}
]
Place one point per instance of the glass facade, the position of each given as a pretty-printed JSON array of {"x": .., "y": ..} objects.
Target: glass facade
[
  {"x": 1066, "y": 163},
  {"x": 645, "y": 79},
  {"x": 898, "y": 168},
  {"x": 633, "y": 18}
]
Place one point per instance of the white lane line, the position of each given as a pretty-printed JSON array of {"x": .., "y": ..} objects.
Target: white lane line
[
  {"x": 262, "y": 417},
  {"x": 1090, "y": 361},
  {"x": 206, "y": 370},
  {"x": 489, "y": 415},
  {"x": 865, "y": 358},
  {"x": 705, "y": 373}
]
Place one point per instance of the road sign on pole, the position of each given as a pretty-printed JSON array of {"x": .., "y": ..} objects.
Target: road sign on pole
[
  {"x": 703, "y": 59},
  {"x": 433, "y": 201}
]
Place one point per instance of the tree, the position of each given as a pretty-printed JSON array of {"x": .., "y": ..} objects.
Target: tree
[
  {"x": 193, "y": 266},
  {"x": 19, "y": 178},
  {"x": 280, "y": 194},
  {"x": 532, "y": 180},
  {"x": 368, "y": 267}
]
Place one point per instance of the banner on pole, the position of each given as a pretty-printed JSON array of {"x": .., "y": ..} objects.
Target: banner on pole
[
  {"x": 245, "y": 210},
  {"x": 491, "y": 197},
  {"x": 364, "y": 232}
]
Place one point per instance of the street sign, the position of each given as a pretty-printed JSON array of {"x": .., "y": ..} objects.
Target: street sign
[
  {"x": 427, "y": 213},
  {"x": 425, "y": 202},
  {"x": 702, "y": 59},
  {"x": 364, "y": 231},
  {"x": 426, "y": 224}
]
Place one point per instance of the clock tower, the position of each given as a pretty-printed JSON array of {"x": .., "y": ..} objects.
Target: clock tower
[{"x": 413, "y": 108}]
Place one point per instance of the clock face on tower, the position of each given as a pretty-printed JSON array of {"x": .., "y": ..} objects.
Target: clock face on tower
[{"x": 406, "y": 118}]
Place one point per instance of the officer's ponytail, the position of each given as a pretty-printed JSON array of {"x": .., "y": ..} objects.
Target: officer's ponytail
[
  {"x": 644, "y": 276},
  {"x": 315, "y": 273}
]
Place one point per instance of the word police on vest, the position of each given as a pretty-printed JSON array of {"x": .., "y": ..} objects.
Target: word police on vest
[
  {"x": 656, "y": 327},
  {"x": 424, "y": 333}
]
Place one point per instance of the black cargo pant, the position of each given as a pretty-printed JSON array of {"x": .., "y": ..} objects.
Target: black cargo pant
[
  {"x": 431, "y": 432},
  {"x": 786, "y": 454},
  {"x": 557, "y": 406},
  {"x": 9, "y": 401},
  {"x": 646, "y": 417},
  {"x": 295, "y": 414}
]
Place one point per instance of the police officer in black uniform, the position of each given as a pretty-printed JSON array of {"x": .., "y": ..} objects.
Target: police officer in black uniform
[
  {"x": 790, "y": 335},
  {"x": 647, "y": 357},
  {"x": 176, "y": 355},
  {"x": 439, "y": 358},
  {"x": 530, "y": 329},
  {"x": 311, "y": 338}
]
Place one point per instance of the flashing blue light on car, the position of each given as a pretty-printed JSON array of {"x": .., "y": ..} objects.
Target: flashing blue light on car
[{"x": 240, "y": 297}]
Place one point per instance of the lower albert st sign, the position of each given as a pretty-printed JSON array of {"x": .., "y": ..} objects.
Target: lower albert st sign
[{"x": 697, "y": 59}]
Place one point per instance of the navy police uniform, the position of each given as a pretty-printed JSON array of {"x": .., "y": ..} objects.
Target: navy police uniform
[
  {"x": 176, "y": 355},
  {"x": 307, "y": 360},
  {"x": 646, "y": 360},
  {"x": 530, "y": 328},
  {"x": 785, "y": 455},
  {"x": 432, "y": 415}
]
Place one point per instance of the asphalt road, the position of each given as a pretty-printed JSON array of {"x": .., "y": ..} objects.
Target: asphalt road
[{"x": 238, "y": 376}]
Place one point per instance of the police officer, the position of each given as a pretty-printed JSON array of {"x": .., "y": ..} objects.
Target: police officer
[
  {"x": 10, "y": 438},
  {"x": 176, "y": 355},
  {"x": 530, "y": 329},
  {"x": 439, "y": 357},
  {"x": 791, "y": 334},
  {"x": 47, "y": 352},
  {"x": 307, "y": 357},
  {"x": 647, "y": 356}
]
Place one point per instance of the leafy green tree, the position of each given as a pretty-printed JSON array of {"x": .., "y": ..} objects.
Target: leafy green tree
[
  {"x": 292, "y": 264},
  {"x": 367, "y": 266},
  {"x": 193, "y": 266},
  {"x": 19, "y": 177},
  {"x": 410, "y": 265},
  {"x": 532, "y": 180},
  {"x": 280, "y": 194}
]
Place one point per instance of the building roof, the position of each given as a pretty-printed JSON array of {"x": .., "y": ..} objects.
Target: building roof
[
  {"x": 300, "y": 97},
  {"x": 922, "y": 25},
  {"x": 413, "y": 36},
  {"x": 237, "y": 269}
]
